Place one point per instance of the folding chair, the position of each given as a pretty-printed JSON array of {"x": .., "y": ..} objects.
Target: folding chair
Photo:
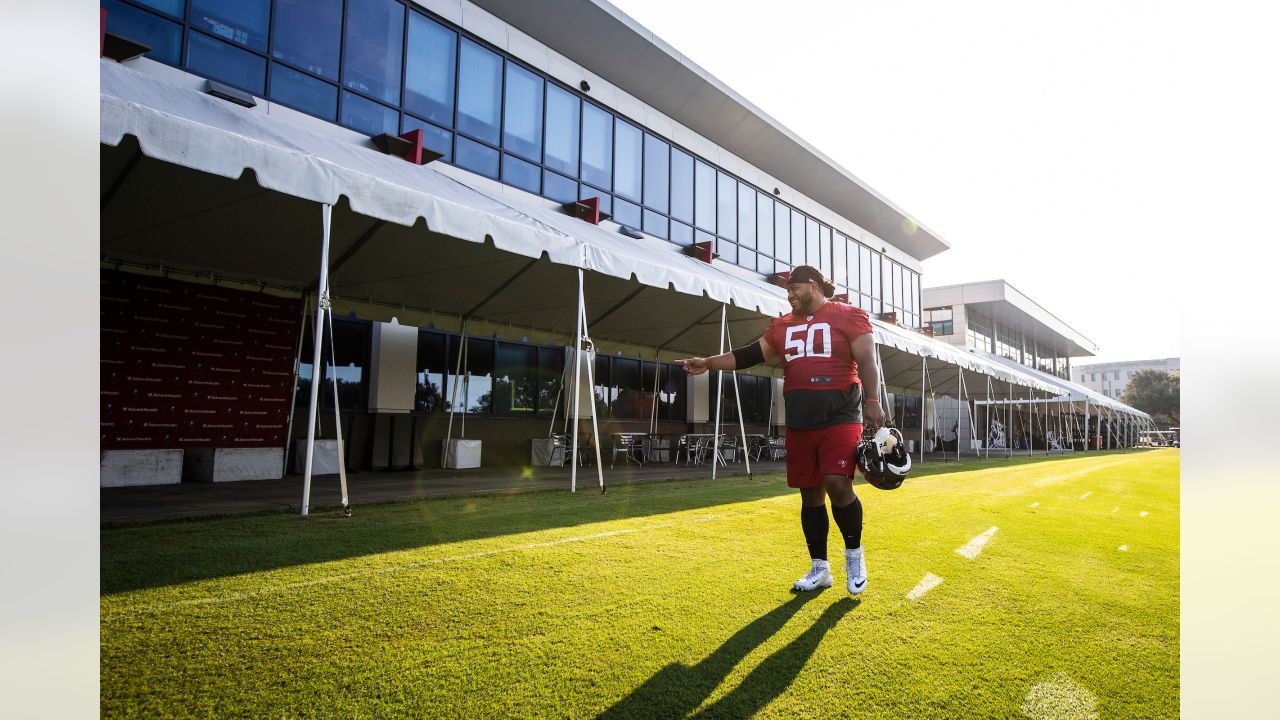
[{"x": 627, "y": 444}]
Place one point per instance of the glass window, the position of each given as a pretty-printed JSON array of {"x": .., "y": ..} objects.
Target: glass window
[
  {"x": 700, "y": 236},
  {"x": 864, "y": 271},
  {"x": 226, "y": 63},
  {"x": 671, "y": 391},
  {"x": 782, "y": 232},
  {"x": 522, "y": 126},
  {"x": 243, "y": 22},
  {"x": 515, "y": 386},
  {"x": 727, "y": 206},
  {"x": 764, "y": 223},
  {"x": 562, "y": 131},
  {"x": 521, "y": 174},
  {"x": 558, "y": 187},
  {"x": 813, "y": 254},
  {"x": 824, "y": 251},
  {"x": 655, "y": 224},
  {"x": 475, "y": 392},
  {"x": 626, "y": 213},
  {"x": 852, "y": 266},
  {"x": 479, "y": 93},
  {"x": 839, "y": 261},
  {"x": 681, "y": 234},
  {"x": 746, "y": 216},
  {"x": 681, "y": 185},
  {"x": 431, "y": 372},
  {"x": 875, "y": 282},
  {"x": 797, "y": 240},
  {"x": 657, "y": 171},
  {"x": 550, "y": 378},
  {"x": 433, "y": 137},
  {"x": 371, "y": 48},
  {"x": 627, "y": 398},
  {"x": 307, "y": 34},
  {"x": 626, "y": 160},
  {"x": 704, "y": 194},
  {"x": 765, "y": 264},
  {"x": 164, "y": 37},
  {"x": 606, "y": 200},
  {"x": 428, "y": 71},
  {"x": 476, "y": 157},
  {"x": 368, "y": 117},
  {"x": 597, "y": 146},
  {"x": 303, "y": 92},
  {"x": 350, "y": 348},
  {"x": 168, "y": 7},
  {"x": 728, "y": 251},
  {"x": 602, "y": 385}
]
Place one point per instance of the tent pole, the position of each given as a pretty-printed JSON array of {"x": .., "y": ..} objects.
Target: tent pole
[
  {"x": 297, "y": 370},
  {"x": 591, "y": 381},
  {"x": 453, "y": 398},
  {"x": 737, "y": 396},
  {"x": 924, "y": 362},
  {"x": 322, "y": 306},
  {"x": 577, "y": 390},
  {"x": 959, "y": 401},
  {"x": 987, "y": 422},
  {"x": 337, "y": 421},
  {"x": 715, "y": 436}
]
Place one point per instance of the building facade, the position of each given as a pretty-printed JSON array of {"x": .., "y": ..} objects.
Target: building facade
[
  {"x": 1112, "y": 378},
  {"x": 527, "y": 107}
]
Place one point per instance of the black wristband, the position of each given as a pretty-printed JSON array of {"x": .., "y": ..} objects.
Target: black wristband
[{"x": 748, "y": 355}]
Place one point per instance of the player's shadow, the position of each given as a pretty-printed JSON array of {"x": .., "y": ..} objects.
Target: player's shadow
[{"x": 677, "y": 690}]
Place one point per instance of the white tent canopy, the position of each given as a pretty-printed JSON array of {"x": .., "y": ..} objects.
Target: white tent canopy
[
  {"x": 192, "y": 181},
  {"x": 1068, "y": 391}
]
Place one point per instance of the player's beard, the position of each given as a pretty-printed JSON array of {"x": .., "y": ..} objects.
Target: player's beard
[{"x": 805, "y": 302}]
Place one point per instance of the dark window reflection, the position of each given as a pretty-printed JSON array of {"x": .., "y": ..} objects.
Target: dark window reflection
[
  {"x": 163, "y": 37},
  {"x": 431, "y": 372},
  {"x": 597, "y": 147},
  {"x": 243, "y": 22},
  {"x": 479, "y": 93},
  {"x": 303, "y": 92},
  {"x": 367, "y": 116},
  {"x": 349, "y": 346},
  {"x": 562, "y": 131},
  {"x": 522, "y": 124},
  {"x": 429, "y": 70},
  {"x": 307, "y": 33},
  {"x": 372, "y": 48},
  {"x": 226, "y": 63}
]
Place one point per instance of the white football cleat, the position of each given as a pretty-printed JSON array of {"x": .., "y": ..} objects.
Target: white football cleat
[
  {"x": 819, "y": 576},
  {"x": 855, "y": 566}
]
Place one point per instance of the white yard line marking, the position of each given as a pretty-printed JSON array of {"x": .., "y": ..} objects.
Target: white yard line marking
[
  {"x": 974, "y": 546},
  {"x": 929, "y": 582},
  {"x": 1060, "y": 698},
  {"x": 1035, "y": 504},
  {"x": 283, "y": 588},
  {"x": 1124, "y": 548},
  {"x": 1086, "y": 495},
  {"x": 1144, "y": 513}
]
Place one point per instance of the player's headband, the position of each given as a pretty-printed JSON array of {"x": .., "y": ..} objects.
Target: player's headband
[{"x": 809, "y": 273}]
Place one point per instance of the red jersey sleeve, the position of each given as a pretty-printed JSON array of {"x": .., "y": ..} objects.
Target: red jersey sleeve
[
  {"x": 773, "y": 334},
  {"x": 857, "y": 322}
]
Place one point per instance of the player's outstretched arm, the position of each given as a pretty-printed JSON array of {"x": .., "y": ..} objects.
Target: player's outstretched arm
[{"x": 743, "y": 357}]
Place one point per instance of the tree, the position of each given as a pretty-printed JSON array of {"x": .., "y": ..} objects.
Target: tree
[{"x": 1156, "y": 393}]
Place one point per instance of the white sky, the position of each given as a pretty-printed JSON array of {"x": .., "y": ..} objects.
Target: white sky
[{"x": 1048, "y": 143}]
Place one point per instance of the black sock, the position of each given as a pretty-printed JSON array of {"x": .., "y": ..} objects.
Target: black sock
[
  {"x": 849, "y": 520},
  {"x": 814, "y": 521}
]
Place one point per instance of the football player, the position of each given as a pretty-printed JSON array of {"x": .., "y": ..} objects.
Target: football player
[{"x": 830, "y": 388}]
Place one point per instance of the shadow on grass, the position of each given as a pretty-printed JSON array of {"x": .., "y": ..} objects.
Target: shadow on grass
[
  {"x": 163, "y": 554},
  {"x": 677, "y": 690}
]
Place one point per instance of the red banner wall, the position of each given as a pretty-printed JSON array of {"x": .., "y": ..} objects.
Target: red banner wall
[{"x": 186, "y": 365}]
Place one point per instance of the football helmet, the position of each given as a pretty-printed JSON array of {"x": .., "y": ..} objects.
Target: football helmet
[{"x": 884, "y": 459}]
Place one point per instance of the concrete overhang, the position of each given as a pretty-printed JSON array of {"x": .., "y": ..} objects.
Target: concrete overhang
[
  {"x": 1005, "y": 304},
  {"x": 609, "y": 43}
]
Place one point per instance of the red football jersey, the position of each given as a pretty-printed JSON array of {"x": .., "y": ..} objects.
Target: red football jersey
[{"x": 818, "y": 363}]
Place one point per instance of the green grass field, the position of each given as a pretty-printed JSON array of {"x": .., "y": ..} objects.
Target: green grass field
[{"x": 664, "y": 600}]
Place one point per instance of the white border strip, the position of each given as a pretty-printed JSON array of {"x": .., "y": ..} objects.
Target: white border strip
[
  {"x": 974, "y": 546},
  {"x": 929, "y": 582}
]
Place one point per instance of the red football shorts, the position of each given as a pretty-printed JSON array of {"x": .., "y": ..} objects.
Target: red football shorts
[{"x": 826, "y": 451}]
